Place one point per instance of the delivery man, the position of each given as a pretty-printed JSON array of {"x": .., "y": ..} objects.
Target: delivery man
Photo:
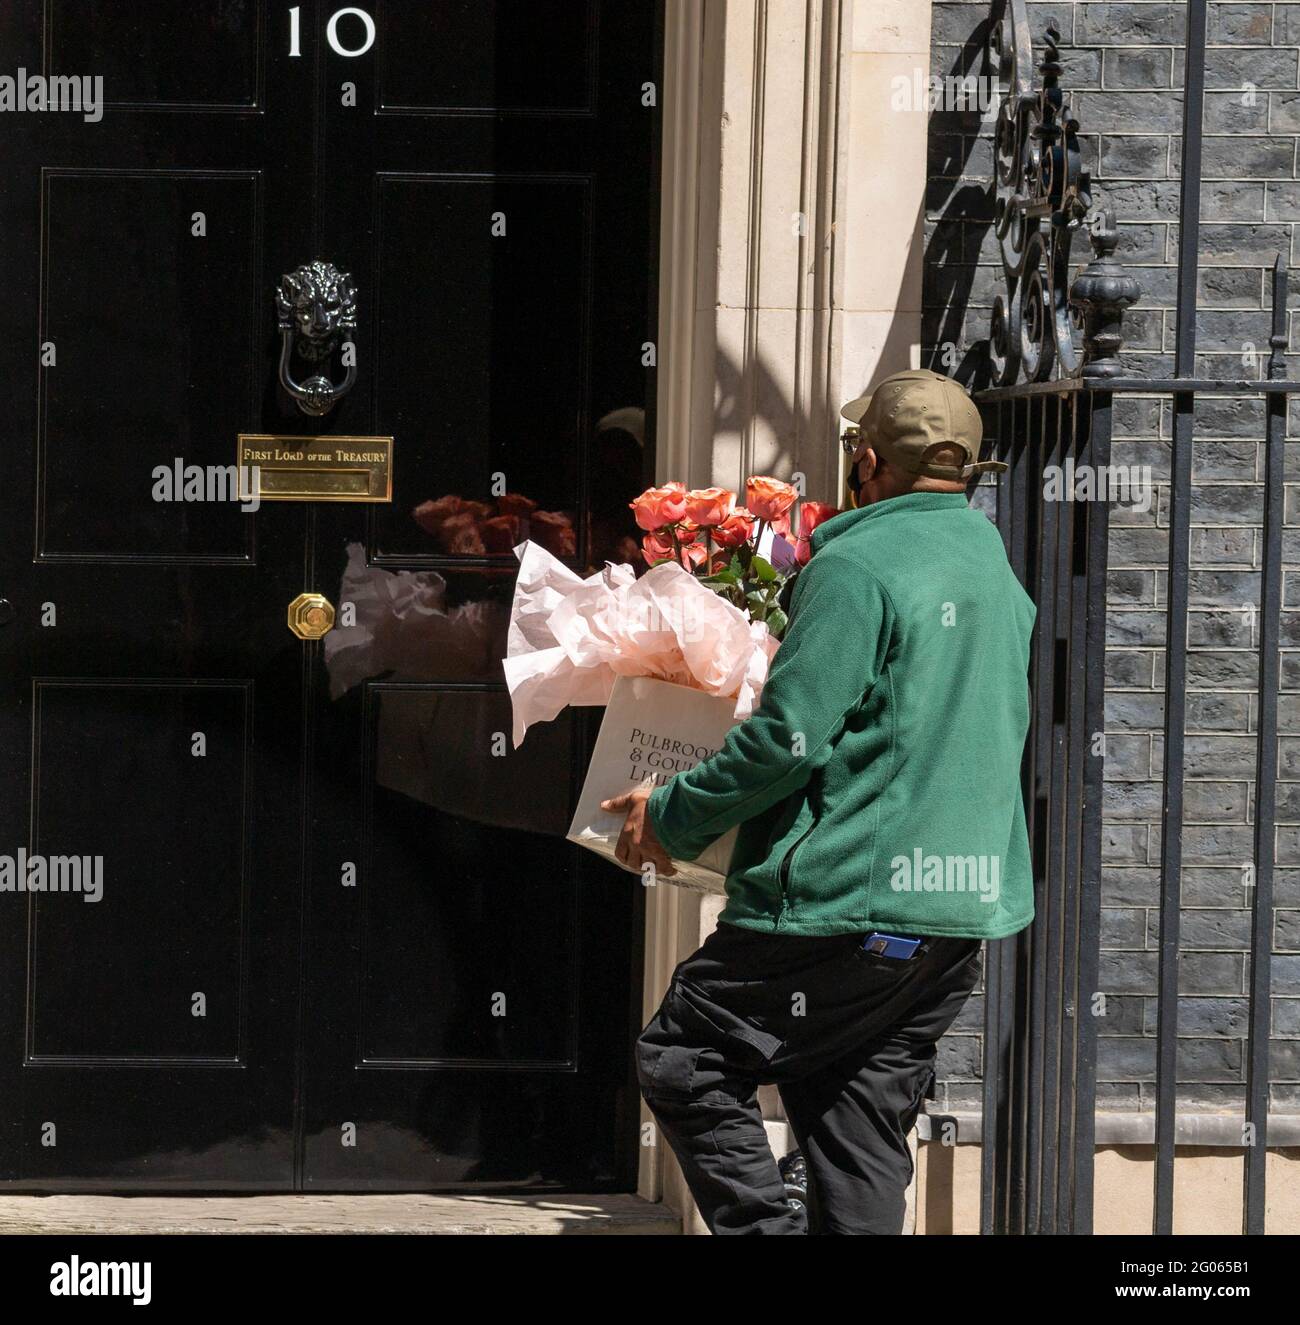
[{"x": 882, "y": 837}]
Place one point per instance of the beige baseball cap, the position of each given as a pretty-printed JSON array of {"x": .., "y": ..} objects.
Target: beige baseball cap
[{"x": 911, "y": 412}]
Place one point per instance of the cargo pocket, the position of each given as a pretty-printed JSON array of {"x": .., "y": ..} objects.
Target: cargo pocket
[
  {"x": 698, "y": 1053},
  {"x": 736, "y": 1041},
  {"x": 666, "y": 1071}
]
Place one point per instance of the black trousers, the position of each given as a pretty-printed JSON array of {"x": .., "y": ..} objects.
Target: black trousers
[{"x": 848, "y": 1037}]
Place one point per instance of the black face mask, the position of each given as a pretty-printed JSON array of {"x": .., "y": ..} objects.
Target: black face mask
[{"x": 851, "y": 481}]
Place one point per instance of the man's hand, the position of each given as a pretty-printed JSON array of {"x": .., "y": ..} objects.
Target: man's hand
[{"x": 637, "y": 843}]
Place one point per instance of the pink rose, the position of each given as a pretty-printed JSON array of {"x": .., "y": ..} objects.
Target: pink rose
[
  {"x": 500, "y": 534},
  {"x": 769, "y": 498},
  {"x": 709, "y": 506},
  {"x": 736, "y": 529},
  {"x": 432, "y": 515},
  {"x": 554, "y": 531},
  {"x": 811, "y": 514},
  {"x": 460, "y": 536},
  {"x": 657, "y": 507},
  {"x": 694, "y": 555},
  {"x": 515, "y": 503},
  {"x": 656, "y": 548}
]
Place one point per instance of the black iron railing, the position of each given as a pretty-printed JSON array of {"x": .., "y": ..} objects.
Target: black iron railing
[{"x": 1054, "y": 362}]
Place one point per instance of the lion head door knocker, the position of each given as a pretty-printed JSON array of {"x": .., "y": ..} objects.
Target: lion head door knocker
[{"x": 317, "y": 309}]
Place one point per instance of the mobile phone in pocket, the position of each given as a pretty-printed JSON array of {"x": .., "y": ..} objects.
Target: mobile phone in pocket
[{"x": 895, "y": 946}]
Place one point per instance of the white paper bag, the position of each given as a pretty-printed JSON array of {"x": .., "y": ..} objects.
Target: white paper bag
[{"x": 651, "y": 730}]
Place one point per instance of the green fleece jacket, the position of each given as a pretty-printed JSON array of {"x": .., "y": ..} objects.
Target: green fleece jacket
[{"x": 877, "y": 785}]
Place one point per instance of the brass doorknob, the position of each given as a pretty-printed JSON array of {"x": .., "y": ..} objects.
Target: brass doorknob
[{"x": 311, "y": 615}]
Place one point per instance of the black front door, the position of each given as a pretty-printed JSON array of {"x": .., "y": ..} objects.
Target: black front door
[{"x": 341, "y": 942}]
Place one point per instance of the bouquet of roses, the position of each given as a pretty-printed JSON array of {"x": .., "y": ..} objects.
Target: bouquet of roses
[
  {"x": 718, "y": 541},
  {"x": 677, "y": 655}
]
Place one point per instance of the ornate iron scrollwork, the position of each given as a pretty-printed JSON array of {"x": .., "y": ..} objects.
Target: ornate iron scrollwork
[
  {"x": 316, "y": 305},
  {"x": 1043, "y": 196}
]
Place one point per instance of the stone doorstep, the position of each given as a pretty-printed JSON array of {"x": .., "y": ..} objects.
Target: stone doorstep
[
  {"x": 1137, "y": 1129},
  {"x": 348, "y": 1213}
]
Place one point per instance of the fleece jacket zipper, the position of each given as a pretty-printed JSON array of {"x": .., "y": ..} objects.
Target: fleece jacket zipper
[{"x": 783, "y": 874}]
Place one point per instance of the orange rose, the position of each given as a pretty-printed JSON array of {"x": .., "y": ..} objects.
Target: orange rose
[
  {"x": 687, "y": 532},
  {"x": 769, "y": 498},
  {"x": 657, "y": 507},
  {"x": 656, "y": 548},
  {"x": 500, "y": 534},
  {"x": 811, "y": 514},
  {"x": 709, "y": 506},
  {"x": 736, "y": 529},
  {"x": 515, "y": 503},
  {"x": 625, "y": 552},
  {"x": 432, "y": 515},
  {"x": 460, "y": 536},
  {"x": 693, "y": 555},
  {"x": 554, "y": 531}
]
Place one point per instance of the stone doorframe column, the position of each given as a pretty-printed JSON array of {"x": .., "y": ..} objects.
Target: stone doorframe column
[{"x": 791, "y": 216}]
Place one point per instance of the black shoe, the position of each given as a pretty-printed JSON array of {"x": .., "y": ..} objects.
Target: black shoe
[{"x": 794, "y": 1173}]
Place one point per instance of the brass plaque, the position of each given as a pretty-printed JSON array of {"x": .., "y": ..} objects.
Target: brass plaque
[{"x": 315, "y": 468}]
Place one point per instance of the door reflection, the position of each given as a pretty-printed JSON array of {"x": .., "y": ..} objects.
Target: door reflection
[{"x": 469, "y": 885}]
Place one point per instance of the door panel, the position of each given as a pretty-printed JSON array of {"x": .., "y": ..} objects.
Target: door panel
[
  {"x": 115, "y": 979},
  {"x": 492, "y": 329},
  {"x": 180, "y": 313},
  {"x": 342, "y": 942},
  {"x": 205, "y": 55},
  {"x": 463, "y": 893}
]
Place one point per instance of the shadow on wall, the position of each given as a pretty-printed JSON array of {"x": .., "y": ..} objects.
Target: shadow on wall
[
  {"x": 749, "y": 393},
  {"x": 965, "y": 220}
]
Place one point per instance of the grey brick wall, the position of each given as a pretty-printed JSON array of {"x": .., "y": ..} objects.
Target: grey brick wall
[{"x": 1124, "y": 68}]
